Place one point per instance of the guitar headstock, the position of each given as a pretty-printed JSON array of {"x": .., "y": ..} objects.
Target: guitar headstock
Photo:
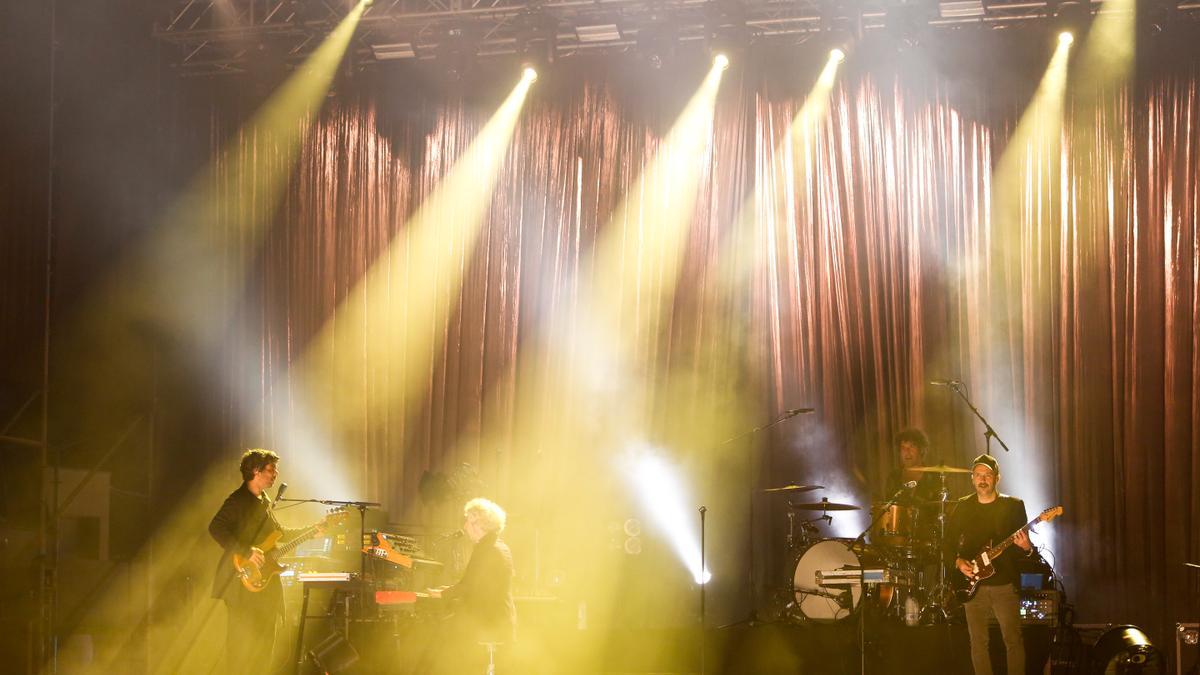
[
  {"x": 1050, "y": 514},
  {"x": 335, "y": 516}
]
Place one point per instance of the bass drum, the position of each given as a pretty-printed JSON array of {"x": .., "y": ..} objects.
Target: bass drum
[{"x": 827, "y": 604}]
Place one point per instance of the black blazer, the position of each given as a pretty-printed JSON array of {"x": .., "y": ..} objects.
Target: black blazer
[
  {"x": 242, "y": 521},
  {"x": 484, "y": 594}
]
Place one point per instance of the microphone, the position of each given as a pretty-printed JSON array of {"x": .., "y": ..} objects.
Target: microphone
[
  {"x": 945, "y": 383},
  {"x": 910, "y": 485},
  {"x": 798, "y": 411},
  {"x": 279, "y": 493}
]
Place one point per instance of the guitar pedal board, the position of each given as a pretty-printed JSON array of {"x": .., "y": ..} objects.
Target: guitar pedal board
[{"x": 1040, "y": 608}]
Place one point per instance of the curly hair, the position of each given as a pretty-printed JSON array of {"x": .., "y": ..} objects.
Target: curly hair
[
  {"x": 256, "y": 459},
  {"x": 486, "y": 513},
  {"x": 916, "y": 437}
]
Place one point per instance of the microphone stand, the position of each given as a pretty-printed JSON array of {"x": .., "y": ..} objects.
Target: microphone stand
[
  {"x": 862, "y": 593},
  {"x": 703, "y": 584},
  {"x": 875, "y": 517},
  {"x": 786, "y": 415},
  {"x": 988, "y": 431}
]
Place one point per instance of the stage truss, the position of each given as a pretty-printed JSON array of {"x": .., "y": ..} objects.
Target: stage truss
[{"x": 213, "y": 37}]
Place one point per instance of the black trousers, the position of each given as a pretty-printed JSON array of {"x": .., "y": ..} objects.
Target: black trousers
[{"x": 250, "y": 630}]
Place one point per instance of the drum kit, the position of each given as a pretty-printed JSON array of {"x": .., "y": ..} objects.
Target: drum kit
[{"x": 895, "y": 566}]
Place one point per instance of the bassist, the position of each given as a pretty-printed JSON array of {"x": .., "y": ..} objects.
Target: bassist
[
  {"x": 980, "y": 520},
  {"x": 243, "y": 520}
]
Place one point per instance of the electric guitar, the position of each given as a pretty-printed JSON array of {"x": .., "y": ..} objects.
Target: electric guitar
[
  {"x": 256, "y": 577},
  {"x": 981, "y": 565}
]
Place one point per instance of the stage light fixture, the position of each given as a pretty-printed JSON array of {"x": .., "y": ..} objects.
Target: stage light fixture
[
  {"x": 961, "y": 9},
  {"x": 721, "y": 61},
  {"x": 837, "y": 55},
  {"x": 1072, "y": 17},
  {"x": 601, "y": 32},
  {"x": 1065, "y": 37},
  {"x": 393, "y": 51},
  {"x": 334, "y": 654},
  {"x": 529, "y": 73},
  {"x": 1125, "y": 649}
]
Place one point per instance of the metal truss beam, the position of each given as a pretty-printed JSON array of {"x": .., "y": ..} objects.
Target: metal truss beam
[{"x": 230, "y": 36}]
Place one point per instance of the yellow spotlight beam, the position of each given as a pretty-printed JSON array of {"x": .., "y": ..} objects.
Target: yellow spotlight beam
[
  {"x": 193, "y": 274},
  {"x": 390, "y": 324},
  {"x": 1108, "y": 53},
  {"x": 641, "y": 247},
  {"x": 1037, "y": 136}
]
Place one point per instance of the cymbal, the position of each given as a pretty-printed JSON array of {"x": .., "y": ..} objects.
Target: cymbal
[
  {"x": 823, "y": 505},
  {"x": 795, "y": 488},
  {"x": 940, "y": 468}
]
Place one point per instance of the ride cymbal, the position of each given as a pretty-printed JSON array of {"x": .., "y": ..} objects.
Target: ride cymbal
[
  {"x": 795, "y": 488},
  {"x": 940, "y": 468}
]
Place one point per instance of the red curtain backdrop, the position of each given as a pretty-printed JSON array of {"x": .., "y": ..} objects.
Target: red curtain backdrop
[{"x": 842, "y": 274}]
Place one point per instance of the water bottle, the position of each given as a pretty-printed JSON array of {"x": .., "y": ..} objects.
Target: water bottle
[{"x": 912, "y": 611}]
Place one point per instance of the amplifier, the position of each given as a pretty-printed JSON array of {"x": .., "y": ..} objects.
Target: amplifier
[{"x": 1039, "y": 608}]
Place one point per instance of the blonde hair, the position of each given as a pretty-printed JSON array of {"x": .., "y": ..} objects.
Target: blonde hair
[{"x": 486, "y": 513}]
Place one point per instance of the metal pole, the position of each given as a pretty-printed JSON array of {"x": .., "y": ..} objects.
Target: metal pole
[
  {"x": 47, "y": 567},
  {"x": 703, "y": 510}
]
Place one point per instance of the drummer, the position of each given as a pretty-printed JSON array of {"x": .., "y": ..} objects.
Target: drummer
[{"x": 912, "y": 449}]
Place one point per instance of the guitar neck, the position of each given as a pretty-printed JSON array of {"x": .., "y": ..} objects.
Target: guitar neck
[
  {"x": 1000, "y": 548},
  {"x": 304, "y": 534}
]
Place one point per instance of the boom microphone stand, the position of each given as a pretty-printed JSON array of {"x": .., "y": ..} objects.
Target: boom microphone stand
[
  {"x": 989, "y": 432},
  {"x": 751, "y": 476}
]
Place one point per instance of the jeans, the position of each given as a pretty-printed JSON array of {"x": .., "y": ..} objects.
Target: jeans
[{"x": 1002, "y": 601}]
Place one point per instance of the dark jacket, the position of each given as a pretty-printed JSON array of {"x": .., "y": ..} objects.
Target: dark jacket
[
  {"x": 242, "y": 521},
  {"x": 974, "y": 526},
  {"x": 483, "y": 597}
]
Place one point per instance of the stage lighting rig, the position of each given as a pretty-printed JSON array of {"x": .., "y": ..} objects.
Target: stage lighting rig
[
  {"x": 1070, "y": 17},
  {"x": 537, "y": 41}
]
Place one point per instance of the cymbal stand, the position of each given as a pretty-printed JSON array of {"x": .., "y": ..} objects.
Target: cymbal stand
[{"x": 938, "y": 612}]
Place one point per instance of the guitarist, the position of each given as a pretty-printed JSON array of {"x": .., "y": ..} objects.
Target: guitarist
[
  {"x": 242, "y": 521},
  {"x": 978, "y": 521}
]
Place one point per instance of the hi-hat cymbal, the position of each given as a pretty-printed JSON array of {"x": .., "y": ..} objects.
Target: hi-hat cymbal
[
  {"x": 795, "y": 488},
  {"x": 940, "y": 468},
  {"x": 823, "y": 505}
]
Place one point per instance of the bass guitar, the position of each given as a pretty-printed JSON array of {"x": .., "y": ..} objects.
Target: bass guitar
[
  {"x": 254, "y": 578},
  {"x": 981, "y": 565}
]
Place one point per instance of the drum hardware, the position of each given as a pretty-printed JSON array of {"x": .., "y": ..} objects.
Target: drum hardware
[
  {"x": 940, "y": 598},
  {"x": 824, "y": 505},
  {"x": 808, "y": 531}
]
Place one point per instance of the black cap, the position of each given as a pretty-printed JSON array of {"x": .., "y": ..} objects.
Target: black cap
[{"x": 988, "y": 461}]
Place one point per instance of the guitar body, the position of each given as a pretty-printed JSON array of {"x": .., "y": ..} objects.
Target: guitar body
[
  {"x": 253, "y": 577},
  {"x": 983, "y": 569}
]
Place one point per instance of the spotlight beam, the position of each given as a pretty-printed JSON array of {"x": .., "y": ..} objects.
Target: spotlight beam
[{"x": 391, "y": 323}]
